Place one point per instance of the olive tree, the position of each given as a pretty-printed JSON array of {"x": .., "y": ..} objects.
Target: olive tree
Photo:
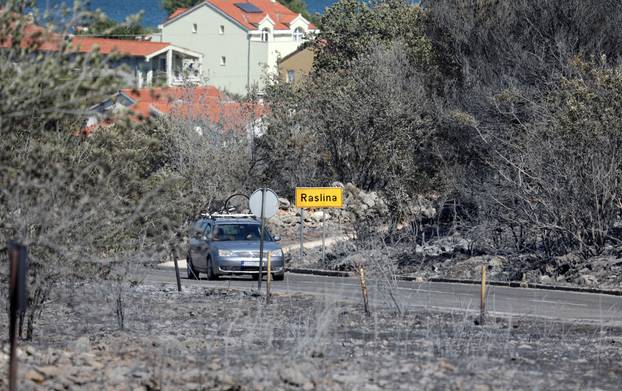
[{"x": 79, "y": 203}]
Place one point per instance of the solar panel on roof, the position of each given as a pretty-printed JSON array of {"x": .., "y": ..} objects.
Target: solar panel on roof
[{"x": 248, "y": 8}]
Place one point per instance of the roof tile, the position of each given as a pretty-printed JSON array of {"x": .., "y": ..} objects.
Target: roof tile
[
  {"x": 121, "y": 46},
  {"x": 280, "y": 15}
]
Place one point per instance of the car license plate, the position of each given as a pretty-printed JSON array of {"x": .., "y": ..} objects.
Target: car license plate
[{"x": 250, "y": 263}]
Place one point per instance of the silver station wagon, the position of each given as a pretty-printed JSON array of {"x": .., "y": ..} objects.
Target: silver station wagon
[{"x": 229, "y": 245}]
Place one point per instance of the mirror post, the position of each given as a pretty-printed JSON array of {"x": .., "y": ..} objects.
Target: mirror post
[{"x": 263, "y": 196}]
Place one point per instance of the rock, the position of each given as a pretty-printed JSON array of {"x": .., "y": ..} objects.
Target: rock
[
  {"x": 368, "y": 199},
  {"x": 446, "y": 366},
  {"x": 432, "y": 251},
  {"x": 587, "y": 280},
  {"x": 83, "y": 377},
  {"x": 171, "y": 345},
  {"x": 34, "y": 376},
  {"x": 117, "y": 375},
  {"x": 293, "y": 376},
  {"x": 284, "y": 203},
  {"x": 346, "y": 379},
  {"x": 81, "y": 345},
  {"x": 276, "y": 220},
  {"x": 496, "y": 262},
  {"x": 51, "y": 371},
  {"x": 317, "y": 216},
  {"x": 545, "y": 279}
]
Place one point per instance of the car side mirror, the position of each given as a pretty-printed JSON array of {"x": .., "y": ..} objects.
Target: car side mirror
[{"x": 277, "y": 238}]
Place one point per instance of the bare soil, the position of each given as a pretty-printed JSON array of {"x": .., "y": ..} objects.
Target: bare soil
[{"x": 205, "y": 338}]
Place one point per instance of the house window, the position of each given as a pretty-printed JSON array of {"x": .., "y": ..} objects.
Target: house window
[
  {"x": 221, "y": 30},
  {"x": 291, "y": 75},
  {"x": 194, "y": 28},
  {"x": 298, "y": 34},
  {"x": 162, "y": 64},
  {"x": 265, "y": 34},
  {"x": 223, "y": 61}
]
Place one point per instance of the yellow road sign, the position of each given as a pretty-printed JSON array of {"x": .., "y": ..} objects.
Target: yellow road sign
[{"x": 319, "y": 197}]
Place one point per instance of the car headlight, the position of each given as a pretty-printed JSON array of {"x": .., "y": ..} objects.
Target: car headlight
[
  {"x": 276, "y": 253},
  {"x": 225, "y": 253}
]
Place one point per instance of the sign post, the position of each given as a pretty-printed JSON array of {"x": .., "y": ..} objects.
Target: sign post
[
  {"x": 269, "y": 280},
  {"x": 318, "y": 197},
  {"x": 263, "y": 203},
  {"x": 302, "y": 237},
  {"x": 323, "y": 235}
]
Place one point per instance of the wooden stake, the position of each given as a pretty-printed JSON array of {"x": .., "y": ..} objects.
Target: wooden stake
[
  {"x": 361, "y": 271},
  {"x": 177, "y": 271}
]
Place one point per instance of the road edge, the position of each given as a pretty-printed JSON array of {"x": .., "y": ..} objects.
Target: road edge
[{"x": 509, "y": 284}]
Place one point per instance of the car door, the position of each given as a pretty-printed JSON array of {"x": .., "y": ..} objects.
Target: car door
[
  {"x": 202, "y": 249},
  {"x": 196, "y": 243}
]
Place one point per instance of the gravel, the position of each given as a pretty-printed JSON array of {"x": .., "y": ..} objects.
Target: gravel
[{"x": 221, "y": 339}]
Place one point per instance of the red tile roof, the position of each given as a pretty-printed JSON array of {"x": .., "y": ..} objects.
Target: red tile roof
[
  {"x": 176, "y": 13},
  {"x": 280, "y": 15},
  {"x": 197, "y": 102},
  {"x": 122, "y": 46},
  {"x": 36, "y": 37}
]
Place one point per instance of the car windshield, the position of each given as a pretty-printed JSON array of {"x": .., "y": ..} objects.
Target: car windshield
[{"x": 244, "y": 232}]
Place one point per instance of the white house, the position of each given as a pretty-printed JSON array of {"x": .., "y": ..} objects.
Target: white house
[{"x": 239, "y": 39}]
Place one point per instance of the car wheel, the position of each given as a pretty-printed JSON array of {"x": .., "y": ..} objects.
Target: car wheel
[
  {"x": 278, "y": 277},
  {"x": 210, "y": 270},
  {"x": 193, "y": 274}
]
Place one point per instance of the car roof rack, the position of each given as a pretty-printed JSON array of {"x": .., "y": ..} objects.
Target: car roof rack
[{"x": 229, "y": 215}]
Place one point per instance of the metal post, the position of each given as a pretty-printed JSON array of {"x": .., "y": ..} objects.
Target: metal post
[
  {"x": 323, "y": 234},
  {"x": 177, "y": 272},
  {"x": 261, "y": 233},
  {"x": 269, "y": 281},
  {"x": 302, "y": 238},
  {"x": 482, "y": 301}
]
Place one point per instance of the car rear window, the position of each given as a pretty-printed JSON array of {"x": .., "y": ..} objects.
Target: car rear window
[{"x": 243, "y": 232}]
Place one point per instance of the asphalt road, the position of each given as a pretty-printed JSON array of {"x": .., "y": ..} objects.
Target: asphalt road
[{"x": 460, "y": 298}]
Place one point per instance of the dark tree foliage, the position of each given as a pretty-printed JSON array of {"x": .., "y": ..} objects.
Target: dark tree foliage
[
  {"x": 171, "y": 5},
  {"x": 502, "y": 107},
  {"x": 350, "y": 28},
  {"x": 103, "y": 26},
  {"x": 528, "y": 42},
  {"x": 500, "y": 62}
]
